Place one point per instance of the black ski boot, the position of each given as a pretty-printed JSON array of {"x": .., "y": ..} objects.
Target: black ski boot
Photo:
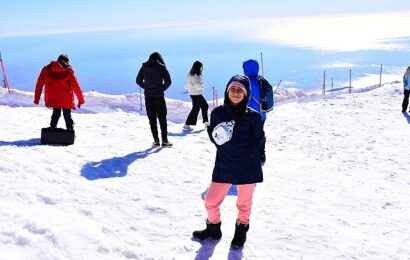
[
  {"x": 263, "y": 157},
  {"x": 211, "y": 231},
  {"x": 240, "y": 235}
]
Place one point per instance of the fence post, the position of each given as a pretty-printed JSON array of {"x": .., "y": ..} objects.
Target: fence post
[
  {"x": 140, "y": 100},
  {"x": 381, "y": 70},
  {"x": 350, "y": 81},
  {"x": 332, "y": 84},
  {"x": 263, "y": 74},
  {"x": 6, "y": 82},
  {"x": 324, "y": 84},
  {"x": 216, "y": 97},
  {"x": 213, "y": 97}
]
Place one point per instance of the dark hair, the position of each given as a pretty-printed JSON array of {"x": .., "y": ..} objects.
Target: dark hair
[
  {"x": 196, "y": 68},
  {"x": 156, "y": 56},
  {"x": 63, "y": 60},
  {"x": 239, "y": 110}
]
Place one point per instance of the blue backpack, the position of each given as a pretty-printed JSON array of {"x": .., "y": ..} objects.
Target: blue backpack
[{"x": 266, "y": 93}]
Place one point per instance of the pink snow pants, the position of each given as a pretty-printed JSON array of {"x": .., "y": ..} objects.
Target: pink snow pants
[{"x": 216, "y": 195}]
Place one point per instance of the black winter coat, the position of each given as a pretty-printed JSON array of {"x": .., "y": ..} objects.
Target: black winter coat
[
  {"x": 238, "y": 160},
  {"x": 154, "y": 78}
]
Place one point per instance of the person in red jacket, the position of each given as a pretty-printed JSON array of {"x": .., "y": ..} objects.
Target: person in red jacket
[{"x": 60, "y": 86}]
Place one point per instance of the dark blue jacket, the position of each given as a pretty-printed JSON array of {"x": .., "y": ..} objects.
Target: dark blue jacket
[
  {"x": 238, "y": 160},
  {"x": 153, "y": 76}
]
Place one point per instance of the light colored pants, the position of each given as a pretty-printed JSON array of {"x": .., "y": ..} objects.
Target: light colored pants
[{"x": 216, "y": 195}]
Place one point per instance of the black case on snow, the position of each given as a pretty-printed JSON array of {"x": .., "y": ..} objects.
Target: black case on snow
[{"x": 57, "y": 136}]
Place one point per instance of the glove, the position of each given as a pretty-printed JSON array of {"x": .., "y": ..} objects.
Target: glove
[
  {"x": 35, "y": 102},
  {"x": 222, "y": 133},
  {"x": 79, "y": 104}
]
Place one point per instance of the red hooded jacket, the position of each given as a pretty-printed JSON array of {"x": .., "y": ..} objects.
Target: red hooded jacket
[{"x": 60, "y": 86}]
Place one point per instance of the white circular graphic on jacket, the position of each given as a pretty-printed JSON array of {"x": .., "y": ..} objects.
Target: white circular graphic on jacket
[{"x": 222, "y": 133}]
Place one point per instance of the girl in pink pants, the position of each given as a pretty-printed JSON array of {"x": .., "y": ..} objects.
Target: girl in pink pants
[{"x": 237, "y": 133}]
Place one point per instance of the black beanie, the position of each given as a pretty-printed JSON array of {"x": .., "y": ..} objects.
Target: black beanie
[{"x": 63, "y": 57}]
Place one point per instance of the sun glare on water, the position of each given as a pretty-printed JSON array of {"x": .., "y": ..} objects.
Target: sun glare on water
[{"x": 353, "y": 32}]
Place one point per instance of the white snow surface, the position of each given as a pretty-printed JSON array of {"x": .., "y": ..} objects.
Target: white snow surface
[{"x": 336, "y": 183}]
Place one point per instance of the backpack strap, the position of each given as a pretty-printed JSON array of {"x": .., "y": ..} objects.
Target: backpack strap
[
  {"x": 262, "y": 93},
  {"x": 259, "y": 104}
]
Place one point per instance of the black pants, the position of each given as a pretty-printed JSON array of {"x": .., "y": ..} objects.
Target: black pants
[
  {"x": 405, "y": 100},
  {"x": 198, "y": 103},
  {"x": 157, "y": 108},
  {"x": 69, "y": 123}
]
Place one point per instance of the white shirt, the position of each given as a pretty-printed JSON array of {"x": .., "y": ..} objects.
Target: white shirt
[{"x": 195, "y": 85}]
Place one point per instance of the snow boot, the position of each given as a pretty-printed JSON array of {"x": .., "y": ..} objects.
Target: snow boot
[
  {"x": 187, "y": 128},
  {"x": 240, "y": 235},
  {"x": 166, "y": 144},
  {"x": 212, "y": 231},
  {"x": 263, "y": 157}
]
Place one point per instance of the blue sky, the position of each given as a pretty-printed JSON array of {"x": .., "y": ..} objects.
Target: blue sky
[{"x": 27, "y": 16}]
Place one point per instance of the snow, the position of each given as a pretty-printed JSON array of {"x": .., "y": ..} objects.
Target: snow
[{"x": 337, "y": 182}]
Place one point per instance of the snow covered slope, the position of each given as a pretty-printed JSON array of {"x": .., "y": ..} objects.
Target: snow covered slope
[{"x": 337, "y": 185}]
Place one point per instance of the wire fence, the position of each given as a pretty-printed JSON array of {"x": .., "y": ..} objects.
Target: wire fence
[{"x": 325, "y": 87}]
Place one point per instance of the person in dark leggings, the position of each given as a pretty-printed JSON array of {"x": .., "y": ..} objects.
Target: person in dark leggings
[
  {"x": 154, "y": 78},
  {"x": 406, "y": 92},
  {"x": 195, "y": 86},
  {"x": 69, "y": 123}
]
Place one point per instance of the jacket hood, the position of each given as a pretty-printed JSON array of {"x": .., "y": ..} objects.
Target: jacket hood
[
  {"x": 58, "y": 71},
  {"x": 241, "y": 107},
  {"x": 250, "y": 68},
  {"x": 56, "y": 66},
  {"x": 156, "y": 57}
]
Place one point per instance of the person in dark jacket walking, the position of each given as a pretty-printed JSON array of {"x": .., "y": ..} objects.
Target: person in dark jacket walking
[
  {"x": 238, "y": 135},
  {"x": 195, "y": 86},
  {"x": 251, "y": 70},
  {"x": 60, "y": 86},
  {"x": 154, "y": 78},
  {"x": 406, "y": 91}
]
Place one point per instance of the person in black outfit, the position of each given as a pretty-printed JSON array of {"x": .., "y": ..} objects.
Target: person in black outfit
[
  {"x": 406, "y": 91},
  {"x": 154, "y": 78}
]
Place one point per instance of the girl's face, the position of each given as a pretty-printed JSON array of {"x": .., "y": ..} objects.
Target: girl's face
[{"x": 236, "y": 95}]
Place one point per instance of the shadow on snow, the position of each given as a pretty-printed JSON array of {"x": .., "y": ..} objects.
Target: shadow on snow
[
  {"x": 185, "y": 132},
  {"x": 22, "y": 143},
  {"x": 208, "y": 247},
  {"x": 407, "y": 116},
  {"x": 113, "y": 167}
]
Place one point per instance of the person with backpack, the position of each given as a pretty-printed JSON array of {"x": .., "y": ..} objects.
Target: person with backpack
[
  {"x": 237, "y": 133},
  {"x": 261, "y": 97},
  {"x": 61, "y": 84},
  {"x": 406, "y": 92},
  {"x": 195, "y": 86},
  {"x": 154, "y": 78}
]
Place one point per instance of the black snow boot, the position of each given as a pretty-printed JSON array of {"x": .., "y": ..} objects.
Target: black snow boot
[
  {"x": 263, "y": 157},
  {"x": 211, "y": 231},
  {"x": 240, "y": 235}
]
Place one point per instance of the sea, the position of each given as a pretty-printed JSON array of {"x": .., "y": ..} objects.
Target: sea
[{"x": 108, "y": 61}]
